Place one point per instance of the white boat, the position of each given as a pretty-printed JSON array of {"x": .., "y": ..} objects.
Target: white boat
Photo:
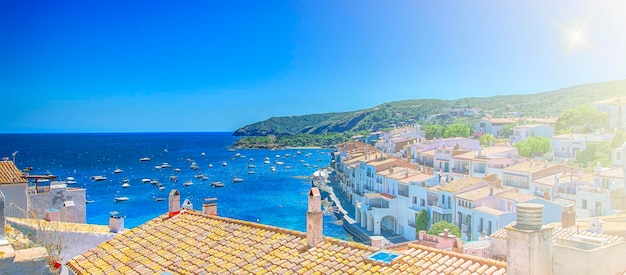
[
  {"x": 237, "y": 179},
  {"x": 97, "y": 178},
  {"x": 194, "y": 166},
  {"x": 210, "y": 165},
  {"x": 158, "y": 167},
  {"x": 287, "y": 155},
  {"x": 217, "y": 184},
  {"x": 188, "y": 183},
  {"x": 118, "y": 170},
  {"x": 89, "y": 201},
  {"x": 251, "y": 159},
  {"x": 202, "y": 154},
  {"x": 125, "y": 185},
  {"x": 70, "y": 180},
  {"x": 251, "y": 166},
  {"x": 250, "y": 171},
  {"x": 238, "y": 155},
  {"x": 118, "y": 199},
  {"x": 273, "y": 169},
  {"x": 158, "y": 199},
  {"x": 298, "y": 152},
  {"x": 174, "y": 178},
  {"x": 161, "y": 188},
  {"x": 165, "y": 151},
  {"x": 177, "y": 170},
  {"x": 277, "y": 156},
  {"x": 224, "y": 163},
  {"x": 146, "y": 180},
  {"x": 266, "y": 162},
  {"x": 165, "y": 165},
  {"x": 144, "y": 159}
]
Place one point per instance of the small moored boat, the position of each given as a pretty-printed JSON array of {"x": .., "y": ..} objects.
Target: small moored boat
[
  {"x": 217, "y": 184},
  {"x": 118, "y": 170},
  {"x": 188, "y": 183},
  {"x": 118, "y": 199},
  {"x": 144, "y": 159},
  {"x": 237, "y": 179},
  {"x": 98, "y": 178}
]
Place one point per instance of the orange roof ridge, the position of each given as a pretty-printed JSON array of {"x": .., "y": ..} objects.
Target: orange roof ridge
[{"x": 450, "y": 253}]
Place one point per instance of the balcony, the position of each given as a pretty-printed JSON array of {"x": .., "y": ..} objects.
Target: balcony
[
  {"x": 440, "y": 209},
  {"x": 404, "y": 193}
]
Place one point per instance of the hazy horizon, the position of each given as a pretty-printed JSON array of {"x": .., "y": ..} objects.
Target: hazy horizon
[{"x": 77, "y": 67}]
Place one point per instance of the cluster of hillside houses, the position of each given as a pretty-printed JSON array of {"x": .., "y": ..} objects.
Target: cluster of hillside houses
[
  {"x": 501, "y": 202},
  {"x": 475, "y": 188}
]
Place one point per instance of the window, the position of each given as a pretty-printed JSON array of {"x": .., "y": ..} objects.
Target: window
[
  {"x": 489, "y": 228},
  {"x": 480, "y": 225},
  {"x": 422, "y": 202},
  {"x": 414, "y": 200},
  {"x": 584, "y": 204}
]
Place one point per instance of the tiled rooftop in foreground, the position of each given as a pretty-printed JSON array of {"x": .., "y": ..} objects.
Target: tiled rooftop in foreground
[{"x": 196, "y": 243}]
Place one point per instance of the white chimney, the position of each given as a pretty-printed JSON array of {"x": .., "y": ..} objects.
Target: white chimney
[
  {"x": 116, "y": 222},
  {"x": 174, "y": 203},
  {"x": 314, "y": 218},
  {"x": 187, "y": 204},
  {"x": 529, "y": 243},
  {"x": 68, "y": 212},
  {"x": 209, "y": 206}
]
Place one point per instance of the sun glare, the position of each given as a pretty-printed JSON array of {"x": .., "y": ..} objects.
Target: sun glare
[{"x": 576, "y": 38}]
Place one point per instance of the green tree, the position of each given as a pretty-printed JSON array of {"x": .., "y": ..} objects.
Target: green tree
[
  {"x": 438, "y": 227},
  {"x": 507, "y": 130},
  {"x": 595, "y": 152},
  {"x": 433, "y": 131},
  {"x": 456, "y": 130},
  {"x": 533, "y": 146},
  {"x": 486, "y": 140},
  {"x": 421, "y": 221},
  {"x": 582, "y": 119}
]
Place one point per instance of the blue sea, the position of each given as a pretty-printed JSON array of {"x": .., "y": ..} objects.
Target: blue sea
[{"x": 274, "y": 198}]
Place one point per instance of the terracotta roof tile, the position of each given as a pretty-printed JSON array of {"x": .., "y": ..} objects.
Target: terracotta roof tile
[
  {"x": 233, "y": 246},
  {"x": 9, "y": 173}
]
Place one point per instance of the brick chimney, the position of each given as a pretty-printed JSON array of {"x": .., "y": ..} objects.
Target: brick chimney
[
  {"x": 568, "y": 217},
  {"x": 174, "y": 203},
  {"x": 314, "y": 218},
  {"x": 210, "y": 206},
  {"x": 3, "y": 236},
  {"x": 529, "y": 243},
  {"x": 116, "y": 222}
]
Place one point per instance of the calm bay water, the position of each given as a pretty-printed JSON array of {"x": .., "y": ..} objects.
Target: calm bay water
[{"x": 274, "y": 198}]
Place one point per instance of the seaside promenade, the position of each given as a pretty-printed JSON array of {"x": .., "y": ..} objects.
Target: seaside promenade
[{"x": 345, "y": 211}]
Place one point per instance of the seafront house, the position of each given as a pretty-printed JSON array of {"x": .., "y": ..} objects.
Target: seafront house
[
  {"x": 493, "y": 126},
  {"x": 386, "y": 208},
  {"x": 14, "y": 185},
  {"x": 40, "y": 196},
  {"x": 523, "y": 132},
  {"x": 485, "y": 161},
  {"x": 395, "y": 141},
  {"x": 521, "y": 175},
  {"x": 424, "y": 153},
  {"x": 566, "y": 146}
]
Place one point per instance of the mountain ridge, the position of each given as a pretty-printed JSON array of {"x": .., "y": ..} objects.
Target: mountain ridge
[{"x": 388, "y": 114}]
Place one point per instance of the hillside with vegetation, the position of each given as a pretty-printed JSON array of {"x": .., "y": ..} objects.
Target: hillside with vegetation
[
  {"x": 333, "y": 128},
  {"x": 386, "y": 115}
]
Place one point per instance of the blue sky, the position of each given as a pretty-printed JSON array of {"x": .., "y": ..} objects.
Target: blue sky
[{"x": 143, "y": 66}]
